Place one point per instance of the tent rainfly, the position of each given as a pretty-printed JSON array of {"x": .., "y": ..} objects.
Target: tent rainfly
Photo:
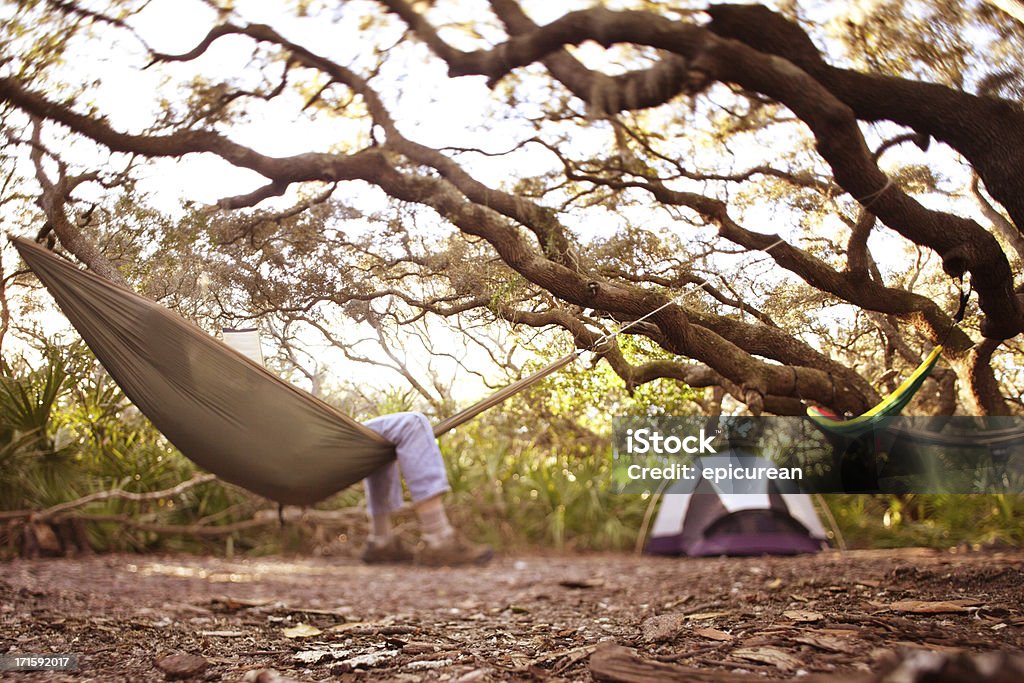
[{"x": 698, "y": 519}]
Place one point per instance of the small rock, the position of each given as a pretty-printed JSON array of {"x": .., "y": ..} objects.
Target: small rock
[
  {"x": 662, "y": 627},
  {"x": 267, "y": 676},
  {"x": 181, "y": 666}
]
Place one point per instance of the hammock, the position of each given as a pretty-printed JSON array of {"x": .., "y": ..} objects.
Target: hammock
[
  {"x": 890, "y": 406},
  {"x": 222, "y": 410}
]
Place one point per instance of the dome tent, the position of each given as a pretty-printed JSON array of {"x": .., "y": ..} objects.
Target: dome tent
[{"x": 700, "y": 519}]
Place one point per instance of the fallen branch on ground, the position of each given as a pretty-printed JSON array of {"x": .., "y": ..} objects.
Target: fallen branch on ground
[{"x": 56, "y": 510}]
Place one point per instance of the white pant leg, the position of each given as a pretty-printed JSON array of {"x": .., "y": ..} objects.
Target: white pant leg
[{"x": 418, "y": 460}]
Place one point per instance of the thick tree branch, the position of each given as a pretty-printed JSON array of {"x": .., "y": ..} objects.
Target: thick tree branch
[
  {"x": 292, "y": 169},
  {"x": 1003, "y": 227},
  {"x": 986, "y": 130},
  {"x": 53, "y": 200},
  {"x": 962, "y": 243},
  {"x": 538, "y": 219},
  {"x": 697, "y": 375},
  {"x": 604, "y": 94}
]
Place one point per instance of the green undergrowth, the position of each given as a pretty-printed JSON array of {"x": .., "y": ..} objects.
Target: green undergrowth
[
  {"x": 533, "y": 473},
  {"x": 931, "y": 520}
]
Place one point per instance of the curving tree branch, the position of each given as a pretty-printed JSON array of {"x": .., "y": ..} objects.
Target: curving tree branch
[{"x": 719, "y": 339}]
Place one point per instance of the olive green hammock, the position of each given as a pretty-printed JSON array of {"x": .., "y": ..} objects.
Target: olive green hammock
[
  {"x": 222, "y": 410},
  {"x": 890, "y": 406}
]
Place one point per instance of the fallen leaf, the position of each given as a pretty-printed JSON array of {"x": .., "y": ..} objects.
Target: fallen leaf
[
  {"x": 803, "y": 615},
  {"x": 927, "y": 607},
  {"x": 322, "y": 654},
  {"x": 267, "y": 676},
  {"x": 350, "y": 625},
  {"x": 229, "y": 604},
  {"x": 713, "y": 634},
  {"x": 429, "y": 664},
  {"x": 387, "y": 630},
  {"x": 316, "y": 656},
  {"x": 418, "y": 648},
  {"x": 301, "y": 631},
  {"x": 343, "y": 612},
  {"x": 824, "y": 642},
  {"x": 370, "y": 659},
  {"x": 701, "y": 616},
  {"x": 769, "y": 655}
]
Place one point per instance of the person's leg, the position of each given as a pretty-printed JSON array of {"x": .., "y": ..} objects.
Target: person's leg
[
  {"x": 421, "y": 464},
  {"x": 419, "y": 458},
  {"x": 435, "y": 528},
  {"x": 383, "y": 497}
]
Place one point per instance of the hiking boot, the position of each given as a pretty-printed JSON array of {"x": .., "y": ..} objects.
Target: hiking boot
[
  {"x": 454, "y": 552},
  {"x": 392, "y": 551}
]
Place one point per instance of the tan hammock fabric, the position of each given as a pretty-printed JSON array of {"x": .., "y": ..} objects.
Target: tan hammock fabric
[{"x": 221, "y": 410}]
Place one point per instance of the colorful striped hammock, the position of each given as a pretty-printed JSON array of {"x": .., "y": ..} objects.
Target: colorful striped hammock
[{"x": 890, "y": 406}]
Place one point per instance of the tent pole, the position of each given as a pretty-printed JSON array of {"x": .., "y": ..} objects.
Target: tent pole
[
  {"x": 823, "y": 504},
  {"x": 638, "y": 548}
]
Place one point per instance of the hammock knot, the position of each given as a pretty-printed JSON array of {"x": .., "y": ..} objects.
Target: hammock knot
[{"x": 602, "y": 346}]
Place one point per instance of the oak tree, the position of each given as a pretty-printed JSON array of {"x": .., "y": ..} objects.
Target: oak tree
[{"x": 782, "y": 202}]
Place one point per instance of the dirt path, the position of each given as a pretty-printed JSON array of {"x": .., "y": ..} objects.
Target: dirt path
[{"x": 521, "y": 618}]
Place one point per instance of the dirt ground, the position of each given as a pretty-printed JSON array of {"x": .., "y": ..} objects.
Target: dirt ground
[{"x": 523, "y": 617}]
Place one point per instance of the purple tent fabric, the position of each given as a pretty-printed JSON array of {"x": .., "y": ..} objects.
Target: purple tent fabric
[{"x": 701, "y": 521}]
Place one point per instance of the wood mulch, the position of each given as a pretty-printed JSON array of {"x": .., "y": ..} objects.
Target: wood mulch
[{"x": 835, "y": 616}]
